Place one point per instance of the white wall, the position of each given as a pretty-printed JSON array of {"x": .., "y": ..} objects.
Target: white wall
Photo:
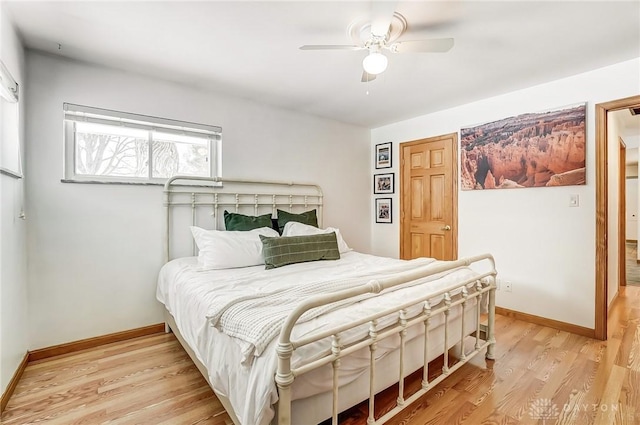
[
  {"x": 631, "y": 204},
  {"x": 13, "y": 247},
  {"x": 546, "y": 248},
  {"x": 631, "y": 138},
  {"x": 631, "y": 197},
  {"x": 95, "y": 250}
]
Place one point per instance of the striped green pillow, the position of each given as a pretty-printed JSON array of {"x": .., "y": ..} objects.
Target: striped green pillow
[{"x": 281, "y": 251}]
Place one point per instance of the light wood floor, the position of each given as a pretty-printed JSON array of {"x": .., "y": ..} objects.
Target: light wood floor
[
  {"x": 540, "y": 376},
  {"x": 632, "y": 266}
]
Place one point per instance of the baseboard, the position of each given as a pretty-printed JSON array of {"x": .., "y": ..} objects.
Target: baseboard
[
  {"x": 543, "y": 321},
  {"x": 6, "y": 395},
  {"x": 83, "y": 344},
  {"x": 614, "y": 300}
]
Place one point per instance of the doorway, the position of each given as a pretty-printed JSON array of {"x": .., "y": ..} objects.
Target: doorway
[
  {"x": 632, "y": 192},
  {"x": 602, "y": 205},
  {"x": 429, "y": 198}
]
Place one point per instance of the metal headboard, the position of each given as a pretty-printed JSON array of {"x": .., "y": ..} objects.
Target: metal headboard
[{"x": 212, "y": 196}]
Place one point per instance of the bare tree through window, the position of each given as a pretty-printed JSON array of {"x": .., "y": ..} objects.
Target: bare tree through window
[
  {"x": 111, "y": 155},
  {"x": 175, "y": 154},
  {"x": 104, "y": 150}
]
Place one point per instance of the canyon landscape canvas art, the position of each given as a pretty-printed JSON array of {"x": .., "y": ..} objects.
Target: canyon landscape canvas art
[{"x": 528, "y": 150}]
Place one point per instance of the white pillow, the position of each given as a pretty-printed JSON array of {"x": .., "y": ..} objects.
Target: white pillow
[
  {"x": 293, "y": 228},
  {"x": 224, "y": 249}
]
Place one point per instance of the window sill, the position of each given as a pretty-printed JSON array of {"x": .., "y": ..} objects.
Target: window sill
[
  {"x": 112, "y": 182},
  {"x": 146, "y": 183}
]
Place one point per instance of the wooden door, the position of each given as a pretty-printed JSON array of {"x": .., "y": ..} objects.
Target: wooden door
[{"x": 429, "y": 198}]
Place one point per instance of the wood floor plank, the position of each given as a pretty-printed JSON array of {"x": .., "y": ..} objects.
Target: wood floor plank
[
  {"x": 460, "y": 414},
  {"x": 611, "y": 397},
  {"x": 540, "y": 375},
  {"x": 630, "y": 394}
]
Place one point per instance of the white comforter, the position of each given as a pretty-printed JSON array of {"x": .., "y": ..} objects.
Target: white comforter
[{"x": 189, "y": 296}]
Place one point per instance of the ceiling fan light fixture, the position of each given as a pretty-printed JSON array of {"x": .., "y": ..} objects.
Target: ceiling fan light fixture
[{"x": 375, "y": 63}]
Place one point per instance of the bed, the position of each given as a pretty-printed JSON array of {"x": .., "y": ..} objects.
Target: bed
[{"x": 301, "y": 343}]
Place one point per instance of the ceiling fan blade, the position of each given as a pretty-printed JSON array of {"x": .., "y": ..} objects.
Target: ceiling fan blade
[
  {"x": 444, "y": 24},
  {"x": 381, "y": 15},
  {"x": 366, "y": 77},
  {"x": 329, "y": 47},
  {"x": 435, "y": 45}
]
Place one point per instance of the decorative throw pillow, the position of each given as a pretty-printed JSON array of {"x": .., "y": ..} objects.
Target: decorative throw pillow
[
  {"x": 281, "y": 251},
  {"x": 293, "y": 228},
  {"x": 222, "y": 249},
  {"x": 307, "y": 217},
  {"x": 235, "y": 221}
]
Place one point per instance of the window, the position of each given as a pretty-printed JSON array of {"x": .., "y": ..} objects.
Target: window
[
  {"x": 110, "y": 146},
  {"x": 10, "y": 163}
]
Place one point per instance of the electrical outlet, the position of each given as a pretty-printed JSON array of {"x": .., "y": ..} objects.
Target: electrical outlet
[
  {"x": 574, "y": 200},
  {"x": 507, "y": 286}
]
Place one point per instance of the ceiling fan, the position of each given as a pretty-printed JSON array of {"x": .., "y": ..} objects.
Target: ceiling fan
[{"x": 379, "y": 33}]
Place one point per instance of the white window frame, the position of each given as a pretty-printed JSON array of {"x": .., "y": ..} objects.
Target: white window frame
[
  {"x": 10, "y": 149},
  {"x": 79, "y": 113}
]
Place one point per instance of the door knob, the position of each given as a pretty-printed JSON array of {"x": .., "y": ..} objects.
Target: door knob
[{"x": 447, "y": 227}]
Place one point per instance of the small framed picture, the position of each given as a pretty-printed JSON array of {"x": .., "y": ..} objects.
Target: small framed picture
[
  {"x": 383, "y": 183},
  {"x": 383, "y": 155},
  {"x": 383, "y": 210}
]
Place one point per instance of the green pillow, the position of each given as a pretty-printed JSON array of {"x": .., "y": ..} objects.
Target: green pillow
[
  {"x": 308, "y": 217},
  {"x": 281, "y": 251},
  {"x": 235, "y": 221}
]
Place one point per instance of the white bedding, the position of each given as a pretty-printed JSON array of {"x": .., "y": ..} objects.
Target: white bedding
[{"x": 188, "y": 295}]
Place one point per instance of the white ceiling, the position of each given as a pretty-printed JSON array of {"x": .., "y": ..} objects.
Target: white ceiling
[{"x": 250, "y": 49}]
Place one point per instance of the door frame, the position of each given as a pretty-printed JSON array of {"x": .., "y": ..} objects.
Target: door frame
[
  {"x": 454, "y": 208},
  {"x": 602, "y": 245},
  {"x": 622, "y": 215}
]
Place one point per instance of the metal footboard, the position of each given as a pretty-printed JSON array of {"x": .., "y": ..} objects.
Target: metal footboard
[{"x": 432, "y": 305}]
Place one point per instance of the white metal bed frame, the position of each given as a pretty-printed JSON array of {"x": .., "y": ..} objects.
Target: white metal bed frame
[{"x": 214, "y": 193}]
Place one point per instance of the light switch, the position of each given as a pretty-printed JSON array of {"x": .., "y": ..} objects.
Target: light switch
[{"x": 574, "y": 200}]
